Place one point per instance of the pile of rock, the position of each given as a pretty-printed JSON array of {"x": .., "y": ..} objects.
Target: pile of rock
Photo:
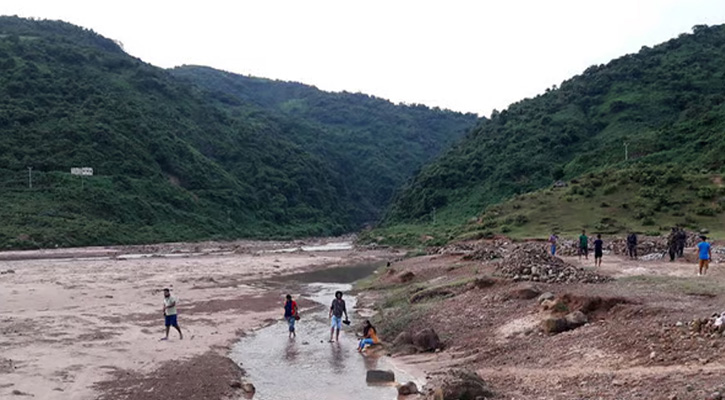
[
  {"x": 485, "y": 253},
  {"x": 531, "y": 262},
  {"x": 484, "y": 250},
  {"x": 713, "y": 326}
]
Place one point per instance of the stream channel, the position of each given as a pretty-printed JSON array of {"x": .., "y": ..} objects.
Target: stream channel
[{"x": 309, "y": 367}]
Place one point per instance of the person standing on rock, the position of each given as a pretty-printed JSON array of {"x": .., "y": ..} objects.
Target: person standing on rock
[
  {"x": 583, "y": 245},
  {"x": 291, "y": 315},
  {"x": 632, "y": 245},
  {"x": 598, "y": 250},
  {"x": 552, "y": 241},
  {"x": 170, "y": 317},
  {"x": 337, "y": 309},
  {"x": 369, "y": 337},
  {"x": 704, "y": 250}
]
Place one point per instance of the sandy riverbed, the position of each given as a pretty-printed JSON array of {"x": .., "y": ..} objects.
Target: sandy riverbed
[{"x": 89, "y": 327}]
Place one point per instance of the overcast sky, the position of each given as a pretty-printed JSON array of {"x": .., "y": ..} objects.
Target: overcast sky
[{"x": 464, "y": 55}]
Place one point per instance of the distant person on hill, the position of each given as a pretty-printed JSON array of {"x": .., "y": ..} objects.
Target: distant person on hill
[
  {"x": 552, "y": 241},
  {"x": 336, "y": 310},
  {"x": 681, "y": 241},
  {"x": 369, "y": 337},
  {"x": 672, "y": 244},
  {"x": 703, "y": 249},
  {"x": 598, "y": 250},
  {"x": 583, "y": 245},
  {"x": 170, "y": 314},
  {"x": 632, "y": 245},
  {"x": 291, "y": 315}
]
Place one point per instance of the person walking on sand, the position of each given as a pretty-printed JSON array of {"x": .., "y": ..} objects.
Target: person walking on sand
[
  {"x": 632, "y": 245},
  {"x": 598, "y": 250},
  {"x": 291, "y": 315},
  {"x": 552, "y": 241},
  {"x": 583, "y": 245},
  {"x": 704, "y": 250},
  {"x": 336, "y": 310},
  {"x": 369, "y": 337},
  {"x": 170, "y": 317}
]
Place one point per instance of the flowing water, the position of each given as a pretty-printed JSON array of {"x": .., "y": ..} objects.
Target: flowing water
[{"x": 309, "y": 367}]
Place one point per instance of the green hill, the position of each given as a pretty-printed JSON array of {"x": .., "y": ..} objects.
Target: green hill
[
  {"x": 666, "y": 103},
  {"x": 375, "y": 144},
  {"x": 171, "y": 162}
]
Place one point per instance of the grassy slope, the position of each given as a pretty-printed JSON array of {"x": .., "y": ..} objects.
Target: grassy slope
[{"x": 666, "y": 102}]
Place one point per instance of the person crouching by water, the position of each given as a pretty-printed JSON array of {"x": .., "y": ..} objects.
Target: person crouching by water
[
  {"x": 336, "y": 310},
  {"x": 170, "y": 317},
  {"x": 369, "y": 337},
  {"x": 291, "y": 315}
]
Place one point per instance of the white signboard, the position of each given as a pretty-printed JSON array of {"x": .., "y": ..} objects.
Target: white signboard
[{"x": 85, "y": 171}]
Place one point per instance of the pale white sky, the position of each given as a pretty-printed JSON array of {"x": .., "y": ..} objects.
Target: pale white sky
[{"x": 464, "y": 55}]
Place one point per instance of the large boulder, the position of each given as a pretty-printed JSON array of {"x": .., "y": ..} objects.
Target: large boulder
[
  {"x": 427, "y": 340},
  {"x": 526, "y": 292},
  {"x": 462, "y": 385},
  {"x": 552, "y": 326},
  {"x": 403, "y": 338},
  {"x": 576, "y": 319},
  {"x": 407, "y": 389},
  {"x": 406, "y": 277},
  {"x": 378, "y": 376}
]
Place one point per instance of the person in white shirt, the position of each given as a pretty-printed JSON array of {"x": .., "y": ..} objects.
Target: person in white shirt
[{"x": 170, "y": 314}]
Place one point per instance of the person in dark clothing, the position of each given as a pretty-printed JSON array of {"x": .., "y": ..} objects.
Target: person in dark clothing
[
  {"x": 598, "y": 251},
  {"x": 291, "y": 315},
  {"x": 632, "y": 245},
  {"x": 681, "y": 240},
  {"x": 337, "y": 309},
  {"x": 672, "y": 244}
]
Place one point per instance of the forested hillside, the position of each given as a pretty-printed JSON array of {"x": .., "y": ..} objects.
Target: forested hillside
[
  {"x": 374, "y": 144},
  {"x": 664, "y": 105},
  {"x": 170, "y": 162}
]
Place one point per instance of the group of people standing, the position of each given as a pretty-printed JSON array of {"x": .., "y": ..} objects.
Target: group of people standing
[
  {"x": 337, "y": 310},
  {"x": 676, "y": 242}
]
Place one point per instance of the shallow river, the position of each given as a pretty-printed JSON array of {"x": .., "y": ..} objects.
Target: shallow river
[{"x": 309, "y": 367}]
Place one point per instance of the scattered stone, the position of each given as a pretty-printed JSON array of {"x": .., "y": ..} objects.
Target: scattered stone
[
  {"x": 406, "y": 277},
  {"x": 427, "y": 340},
  {"x": 305, "y": 343},
  {"x": 378, "y": 376},
  {"x": 248, "y": 388},
  {"x": 532, "y": 262},
  {"x": 236, "y": 385},
  {"x": 429, "y": 294},
  {"x": 576, "y": 319},
  {"x": 525, "y": 293},
  {"x": 546, "y": 296},
  {"x": 679, "y": 324},
  {"x": 407, "y": 389},
  {"x": 7, "y": 271},
  {"x": 715, "y": 396},
  {"x": 462, "y": 384},
  {"x": 554, "y": 325},
  {"x": 17, "y": 392}
]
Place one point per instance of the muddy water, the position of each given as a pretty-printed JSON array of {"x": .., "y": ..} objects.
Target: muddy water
[{"x": 309, "y": 367}]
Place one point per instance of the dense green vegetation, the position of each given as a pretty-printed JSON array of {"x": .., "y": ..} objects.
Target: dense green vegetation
[
  {"x": 667, "y": 103},
  {"x": 375, "y": 145},
  {"x": 171, "y": 163}
]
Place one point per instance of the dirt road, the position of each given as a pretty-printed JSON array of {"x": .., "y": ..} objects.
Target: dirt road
[{"x": 86, "y": 323}]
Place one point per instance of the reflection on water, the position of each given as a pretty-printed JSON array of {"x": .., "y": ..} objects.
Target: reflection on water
[{"x": 309, "y": 367}]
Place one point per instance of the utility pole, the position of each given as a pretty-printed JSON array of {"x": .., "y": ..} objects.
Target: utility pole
[
  {"x": 30, "y": 177},
  {"x": 626, "y": 153}
]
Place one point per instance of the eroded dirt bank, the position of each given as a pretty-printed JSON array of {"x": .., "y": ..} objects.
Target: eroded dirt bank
[
  {"x": 637, "y": 340},
  {"x": 87, "y": 324}
]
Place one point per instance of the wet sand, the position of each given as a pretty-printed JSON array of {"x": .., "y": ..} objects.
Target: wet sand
[{"x": 89, "y": 327}]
